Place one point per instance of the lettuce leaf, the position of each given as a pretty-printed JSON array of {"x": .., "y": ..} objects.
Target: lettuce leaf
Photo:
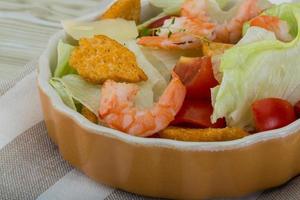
[
  {"x": 64, "y": 51},
  {"x": 162, "y": 64},
  {"x": 164, "y": 60},
  {"x": 155, "y": 79},
  {"x": 72, "y": 88},
  {"x": 64, "y": 94},
  {"x": 85, "y": 93},
  {"x": 118, "y": 29},
  {"x": 166, "y": 3},
  {"x": 258, "y": 67}
]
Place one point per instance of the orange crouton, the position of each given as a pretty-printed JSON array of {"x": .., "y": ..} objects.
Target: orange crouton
[
  {"x": 89, "y": 115},
  {"x": 126, "y": 9},
  {"x": 214, "y": 48},
  {"x": 202, "y": 135},
  {"x": 101, "y": 58}
]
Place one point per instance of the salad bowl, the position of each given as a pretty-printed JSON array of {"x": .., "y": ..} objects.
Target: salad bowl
[{"x": 166, "y": 168}]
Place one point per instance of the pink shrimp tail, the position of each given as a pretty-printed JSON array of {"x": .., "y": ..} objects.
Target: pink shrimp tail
[
  {"x": 118, "y": 111},
  {"x": 231, "y": 32},
  {"x": 176, "y": 94},
  {"x": 175, "y": 41}
]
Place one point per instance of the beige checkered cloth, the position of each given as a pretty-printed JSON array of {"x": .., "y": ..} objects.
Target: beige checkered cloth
[{"x": 30, "y": 164}]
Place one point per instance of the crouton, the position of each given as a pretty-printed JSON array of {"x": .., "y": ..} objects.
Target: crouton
[
  {"x": 214, "y": 48},
  {"x": 126, "y": 9},
  {"x": 202, "y": 135},
  {"x": 101, "y": 58},
  {"x": 89, "y": 115}
]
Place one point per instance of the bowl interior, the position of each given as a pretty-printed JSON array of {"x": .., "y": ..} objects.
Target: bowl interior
[{"x": 47, "y": 63}]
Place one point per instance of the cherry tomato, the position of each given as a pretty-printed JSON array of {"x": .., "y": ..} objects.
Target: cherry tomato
[
  {"x": 272, "y": 113},
  {"x": 158, "y": 23},
  {"x": 297, "y": 109},
  {"x": 197, "y": 75},
  {"x": 196, "y": 113}
]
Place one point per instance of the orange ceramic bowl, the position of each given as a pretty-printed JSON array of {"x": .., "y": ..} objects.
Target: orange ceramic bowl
[{"x": 166, "y": 168}]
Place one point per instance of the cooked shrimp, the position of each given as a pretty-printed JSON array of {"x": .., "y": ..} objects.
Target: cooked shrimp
[
  {"x": 180, "y": 33},
  {"x": 118, "y": 111},
  {"x": 274, "y": 24},
  {"x": 231, "y": 32},
  {"x": 226, "y": 31},
  {"x": 196, "y": 22},
  {"x": 174, "y": 41}
]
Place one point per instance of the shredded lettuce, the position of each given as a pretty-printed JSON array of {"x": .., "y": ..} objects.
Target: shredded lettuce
[
  {"x": 258, "y": 67},
  {"x": 118, "y": 29},
  {"x": 88, "y": 94},
  {"x": 64, "y": 51},
  {"x": 166, "y": 3},
  {"x": 74, "y": 90},
  {"x": 85, "y": 93},
  {"x": 64, "y": 94},
  {"x": 256, "y": 34},
  {"x": 156, "y": 80},
  {"x": 159, "y": 63},
  {"x": 164, "y": 60}
]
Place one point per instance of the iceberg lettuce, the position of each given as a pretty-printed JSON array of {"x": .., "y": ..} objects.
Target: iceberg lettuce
[
  {"x": 64, "y": 94},
  {"x": 155, "y": 79},
  {"x": 64, "y": 51},
  {"x": 74, "y": 90},
  {"x": 166, "y": 3},
  {"x": 164, "y": 60},
  {"x": 85, "y": 93},
  {"x": 259, "y": 67}
]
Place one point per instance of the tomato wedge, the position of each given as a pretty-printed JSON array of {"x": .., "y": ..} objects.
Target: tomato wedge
[
  {"x": 272, "y": 113},
  {"x": 197, "y": 75},
  {"x": 196, "y": 113},
  {"x": 159, "y": 23},
  {"x": 297, "y": 109}
]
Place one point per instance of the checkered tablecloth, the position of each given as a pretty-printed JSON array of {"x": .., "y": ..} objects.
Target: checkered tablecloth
[{"x": 30, "y": 164}]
